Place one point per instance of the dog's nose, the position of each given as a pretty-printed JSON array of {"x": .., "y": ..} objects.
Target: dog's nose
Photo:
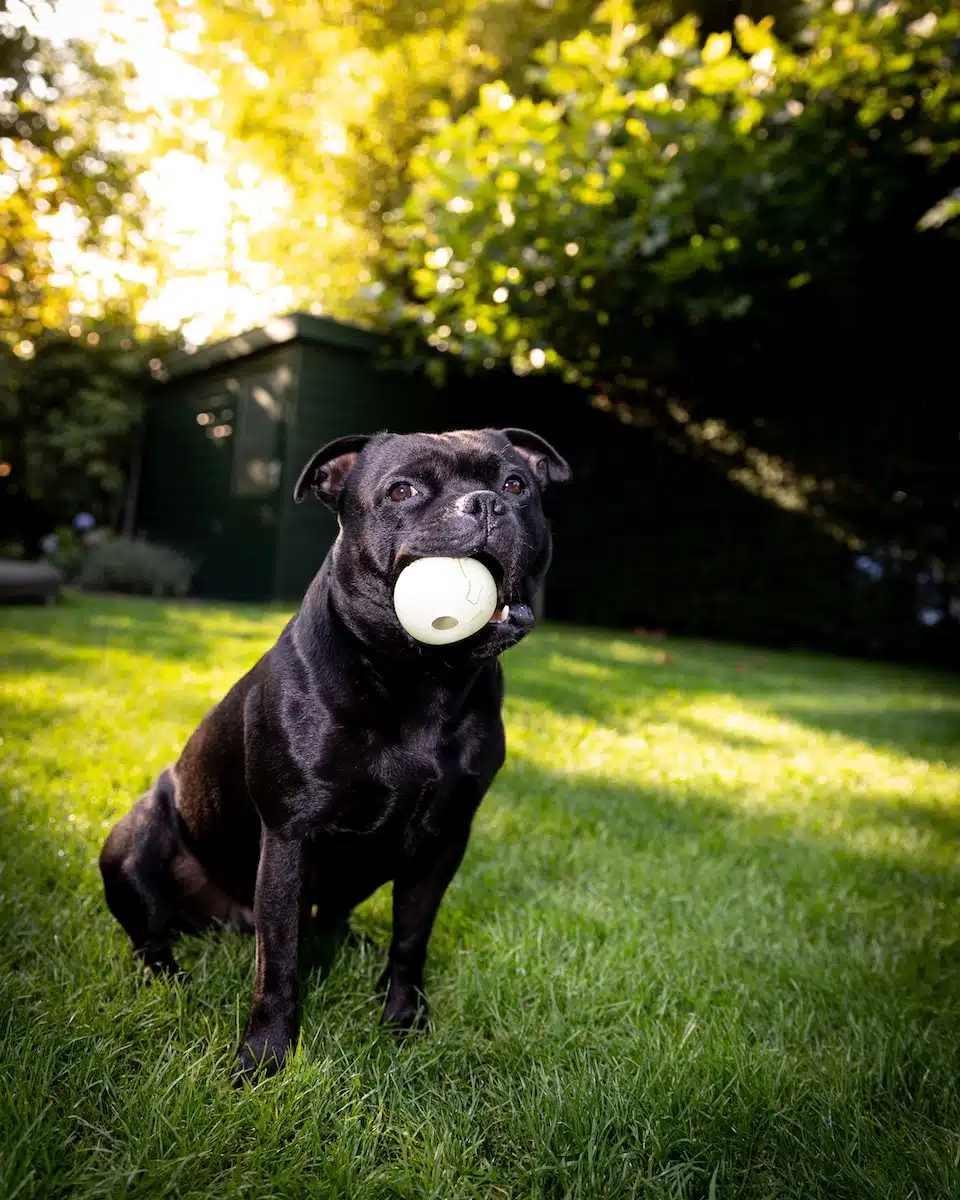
[{"x": 482, "y": 504}]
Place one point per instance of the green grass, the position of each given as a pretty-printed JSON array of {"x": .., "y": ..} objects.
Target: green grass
[{"x": 705, "y": 942}]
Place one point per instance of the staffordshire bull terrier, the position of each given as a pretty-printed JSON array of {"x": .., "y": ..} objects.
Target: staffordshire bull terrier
[{"x": 349, "y": 755}]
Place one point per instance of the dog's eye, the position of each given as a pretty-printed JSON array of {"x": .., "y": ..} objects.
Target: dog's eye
[
  {"x": 402, "y": 491},
  {"x": 514, "y": 485}
]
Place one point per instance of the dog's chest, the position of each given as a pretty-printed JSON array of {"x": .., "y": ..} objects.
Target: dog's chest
[{"x": 396, "y": 789}]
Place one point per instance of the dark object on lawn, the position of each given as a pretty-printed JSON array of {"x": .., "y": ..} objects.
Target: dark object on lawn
[
  {"x": 29, "y": 581},
  {"x": 350, "y": 754}
]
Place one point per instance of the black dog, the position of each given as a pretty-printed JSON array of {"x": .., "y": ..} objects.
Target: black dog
[{"x": 350, "y": 754}]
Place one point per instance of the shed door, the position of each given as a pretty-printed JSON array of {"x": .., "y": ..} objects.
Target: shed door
[
  {"x": 212, "y": 479},
  {"x": 240, "y": 559}
]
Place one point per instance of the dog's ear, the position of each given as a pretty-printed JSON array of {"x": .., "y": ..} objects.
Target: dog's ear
[
  {"x": 546, "y": 464},
  {"x": 325, "y": 473}
]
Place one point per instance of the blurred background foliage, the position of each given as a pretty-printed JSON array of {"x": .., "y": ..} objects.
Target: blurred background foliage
[
  {"x": 735, "y": 241},
  {"x": 59, "y": 179},
  {"x": 729, "y": 227}
]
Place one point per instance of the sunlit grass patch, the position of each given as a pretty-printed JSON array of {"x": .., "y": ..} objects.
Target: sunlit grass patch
[{"x": 706, "y": 936}]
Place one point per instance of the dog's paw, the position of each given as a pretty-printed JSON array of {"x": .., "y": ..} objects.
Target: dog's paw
[
  {"x": 157, "y": 962},
  {"x": 259, "y": 1057},
  {"x": 405, "y": 1011}
]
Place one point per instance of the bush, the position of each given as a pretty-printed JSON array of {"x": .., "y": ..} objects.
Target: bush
[
  {"x": 123, "y": 564},
  {"x": 65, "y": 549}
]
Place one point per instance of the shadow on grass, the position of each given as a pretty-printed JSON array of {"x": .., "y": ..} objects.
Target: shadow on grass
[
  {"x": 736, "y": 916},
  {"x": 919, "y": 819},
  {"x": 46, "y": 639},
  {"x": 43, "y": 861},
  {"x": 583, "y": 674},
  {"x": 704, "y": 903},
  {"x": 558, "y": 851},
  {"x": 543, "y": 831},
  {"x": 925, "y": 731},
  {"x": 581, "y": 806}
]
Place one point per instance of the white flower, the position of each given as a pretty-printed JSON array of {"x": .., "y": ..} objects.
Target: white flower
[
  {"x": 763, "y": 59},
  {"x": 924, "y": 26}
]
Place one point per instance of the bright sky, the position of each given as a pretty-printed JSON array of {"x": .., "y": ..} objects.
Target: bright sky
[{"x": 202, "y": 212}]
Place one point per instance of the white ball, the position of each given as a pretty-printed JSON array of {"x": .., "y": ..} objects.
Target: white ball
[{"x": 443, "y": 600}]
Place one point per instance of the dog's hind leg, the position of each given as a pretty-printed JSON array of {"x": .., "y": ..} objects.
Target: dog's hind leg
[{"x": 136, "y": 863}]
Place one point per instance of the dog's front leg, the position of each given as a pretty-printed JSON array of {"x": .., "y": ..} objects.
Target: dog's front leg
[
  {"x": 274, "y": 1016},
  {"x": 416, "y": 898}
]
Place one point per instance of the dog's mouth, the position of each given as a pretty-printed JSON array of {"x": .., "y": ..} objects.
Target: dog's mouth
[{"x": 502, "y": 612}]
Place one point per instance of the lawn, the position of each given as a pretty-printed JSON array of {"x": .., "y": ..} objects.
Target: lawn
[{"x": 705, "y": 942}]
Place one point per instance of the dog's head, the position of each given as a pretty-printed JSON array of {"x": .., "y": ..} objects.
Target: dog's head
[{"x": 400, "y": 497}]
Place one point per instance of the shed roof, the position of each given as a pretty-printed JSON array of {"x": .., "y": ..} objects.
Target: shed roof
[{"x": 298, "y": 326}]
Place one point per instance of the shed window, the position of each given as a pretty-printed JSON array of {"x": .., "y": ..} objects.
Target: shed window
[{"x": 256, "y": 458}]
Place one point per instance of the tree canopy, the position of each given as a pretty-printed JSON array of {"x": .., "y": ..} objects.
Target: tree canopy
[
  {"x": 72, "y": 261},
  {"x": 737, "y": 240},
  {"x": 60, "y": 175},
  {"x": 334, "y": 97},
  {"x": 669, "y": 177}
]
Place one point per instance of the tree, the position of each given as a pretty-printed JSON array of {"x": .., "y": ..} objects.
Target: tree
[
  {"x": 333, "y": 97},
  {"x": 719, "y": 238},
  {"x": 69, "y": 400},
  {"x": 79, "y": 402},
  {"x": 59, "y": 178}
]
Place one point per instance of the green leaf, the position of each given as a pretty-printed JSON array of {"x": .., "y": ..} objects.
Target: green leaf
[{"x": 716, "y": 47}]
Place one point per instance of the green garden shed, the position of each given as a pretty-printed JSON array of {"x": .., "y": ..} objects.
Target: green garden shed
[
  {"x": 645, "y": 537},
  {"x": 229, "y": 428}
]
